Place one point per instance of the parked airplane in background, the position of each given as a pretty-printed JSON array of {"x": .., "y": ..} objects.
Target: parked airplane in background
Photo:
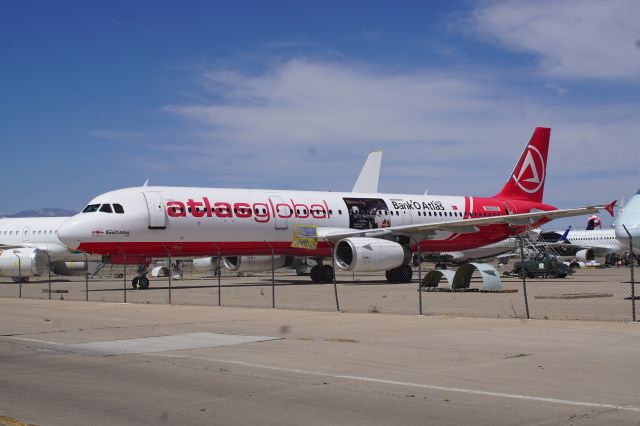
[
  {"x": 588, "y": 244},
  {"x": 27, "y": 244},
  {"x": 362, "y": 231},
  {"x": 630, "y": 217}
]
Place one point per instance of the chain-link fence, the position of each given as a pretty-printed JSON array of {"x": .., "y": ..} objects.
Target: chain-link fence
[{"x": 525, "y": 280}]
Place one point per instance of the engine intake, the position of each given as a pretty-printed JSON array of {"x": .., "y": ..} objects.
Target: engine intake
[
  {"x": 31, "y": 262},
  {"x": 585, "y": 255},
  {"x": 369, "y": 254}
]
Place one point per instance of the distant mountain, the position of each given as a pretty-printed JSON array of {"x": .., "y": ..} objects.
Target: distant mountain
[{"x": 46, "y": 212}]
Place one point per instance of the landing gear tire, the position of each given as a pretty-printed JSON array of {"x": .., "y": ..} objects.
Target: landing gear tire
[
  {"x": 327, "y": 273},
  {"x": 140, "y": 283},
  {"x": 315, "y": 273},
  {"x": 406, "y": 273},
  {"x": 401, "y": 274}
]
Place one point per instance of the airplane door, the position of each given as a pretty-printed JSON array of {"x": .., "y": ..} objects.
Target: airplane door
[
  {"x": 405, "y": 217},
  {"x": 281, "y": 212},
  {"x": 157, "y": 216},
  {"x": 25, "y": 233}
]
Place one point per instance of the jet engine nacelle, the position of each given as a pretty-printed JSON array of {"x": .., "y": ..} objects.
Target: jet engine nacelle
[
  {"x": 255, "y": 263},
  {"x": 205, "y": 264},
  {"x": 31, "y": 262},
  {"x": 68, "y": 268},
  {"x": 369, "y": 254},
  {"x": 585, "y": 255}
]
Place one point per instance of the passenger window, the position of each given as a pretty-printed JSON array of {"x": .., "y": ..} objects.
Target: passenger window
[
  {"x": 339, "y": 211},
  {"x": 106, "y": 208},
  {"x": 91, "y": 208}
]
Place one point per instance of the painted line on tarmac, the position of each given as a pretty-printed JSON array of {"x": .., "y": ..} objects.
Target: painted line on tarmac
[{"x": 414, "y": 385}]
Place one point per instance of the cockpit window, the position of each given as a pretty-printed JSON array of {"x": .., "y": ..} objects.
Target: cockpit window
[
  {"x": 91, "y": 208},
  {"x": 118, "y": 208},
  {"x": 106, "y": 208}
]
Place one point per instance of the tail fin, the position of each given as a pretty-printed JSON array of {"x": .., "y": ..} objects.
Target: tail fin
[
  {"x": 527, "y": 179},
  {"x": 593, "y": 222},
  {"x": 370, "y": 173},
  {"x": 564, "y": 236}
]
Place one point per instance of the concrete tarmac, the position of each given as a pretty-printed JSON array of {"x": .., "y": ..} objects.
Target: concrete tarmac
[{"x": 72, "y": 363}]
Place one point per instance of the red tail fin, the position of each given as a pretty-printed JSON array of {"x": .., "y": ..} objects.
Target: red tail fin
[{"x": 527, "y": 179}]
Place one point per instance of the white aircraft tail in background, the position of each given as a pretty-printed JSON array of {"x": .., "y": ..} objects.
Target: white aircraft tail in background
[{"x": 370, "y": 174}]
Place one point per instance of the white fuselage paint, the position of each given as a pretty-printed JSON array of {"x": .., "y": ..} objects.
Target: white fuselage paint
[{"x": 222, "y": 215}]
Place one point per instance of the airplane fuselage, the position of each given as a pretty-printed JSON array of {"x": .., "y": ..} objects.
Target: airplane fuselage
[{"x": 158, "y": 221}]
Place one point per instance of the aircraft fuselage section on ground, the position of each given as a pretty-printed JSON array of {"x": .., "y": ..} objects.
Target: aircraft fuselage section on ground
[{"x": 158, "y": 221}]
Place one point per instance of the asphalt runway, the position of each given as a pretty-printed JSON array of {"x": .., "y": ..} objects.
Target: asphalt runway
[{"x": 72, "y": 363}]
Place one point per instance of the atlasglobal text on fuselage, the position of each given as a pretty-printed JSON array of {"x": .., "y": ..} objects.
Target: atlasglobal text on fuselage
[{"x": 363, "y": 231}]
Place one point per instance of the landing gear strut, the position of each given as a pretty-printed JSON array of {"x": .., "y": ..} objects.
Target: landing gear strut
[
  {"x": 401, "y": 274},
  {"x": 322, "y": 273},
  {"x": 141, "y": 282}
]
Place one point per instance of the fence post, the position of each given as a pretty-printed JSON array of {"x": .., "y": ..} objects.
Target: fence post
[
  {"x": 86, "y": 277},
  {"x": 219, "y": 276},
  {"x": 419, "y": 275},
  {"x": 632, "y": 257},
  {"x": 523, "y": 272},
  {"x": 170, "y": 273},
  {"x": 273, "y": 277},
  {"x": 124, "y": 277},
  {"x": 19, "y": 275},
  {"x": 335, "y": 285},
  {"x": 49, "y": 268}
]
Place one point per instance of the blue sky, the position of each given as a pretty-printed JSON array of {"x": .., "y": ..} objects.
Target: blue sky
[{"x": 100, "y": 95}]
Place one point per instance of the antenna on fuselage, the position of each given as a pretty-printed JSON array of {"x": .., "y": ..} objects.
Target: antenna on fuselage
[{"x": 146, "y": 183}]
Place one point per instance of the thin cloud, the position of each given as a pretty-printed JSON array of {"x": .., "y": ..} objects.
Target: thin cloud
[
  {"x": 117, "y": 135},
  {"x": 572, "y": 38}
]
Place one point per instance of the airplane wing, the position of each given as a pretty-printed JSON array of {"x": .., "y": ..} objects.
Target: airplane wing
[{"x": 461, "y": 225}]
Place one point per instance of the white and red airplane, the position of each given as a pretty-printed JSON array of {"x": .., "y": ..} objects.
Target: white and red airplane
[{"x": 362, "y": 231}]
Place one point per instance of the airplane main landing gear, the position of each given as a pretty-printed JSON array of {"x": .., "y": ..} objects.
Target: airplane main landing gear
[
  {"x": 322, "y": 274},
  {"x": 401, "y": 274},
  {"x": 141, "y": 282}
]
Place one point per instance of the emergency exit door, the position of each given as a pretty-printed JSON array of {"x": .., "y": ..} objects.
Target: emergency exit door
[{"x": 157, "y": 215}]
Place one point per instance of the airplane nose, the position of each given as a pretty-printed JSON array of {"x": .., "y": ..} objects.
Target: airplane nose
[{"x": 69, "y": 233}]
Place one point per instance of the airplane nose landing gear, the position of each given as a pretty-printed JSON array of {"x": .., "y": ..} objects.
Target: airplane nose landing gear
[{"x": 141, "y": 282}]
